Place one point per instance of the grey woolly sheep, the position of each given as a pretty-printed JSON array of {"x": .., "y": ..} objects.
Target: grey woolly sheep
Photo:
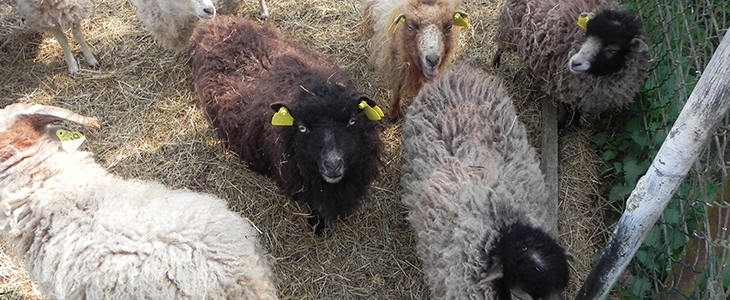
[
  {"x": 611, "y": 55},
  {"x": 88, "y": 234},
  {"x": 476, "y": 197},
  {"x": 172, "y": 22},
  {"x": 57, "y": 16},
  {"x": 328, "y": 154},
  {"x": 412, "y": 41}
]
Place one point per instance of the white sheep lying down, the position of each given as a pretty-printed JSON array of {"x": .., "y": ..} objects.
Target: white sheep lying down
[
  {"x": 476, "y": 197},
  {"x": 88, "y": 234}
]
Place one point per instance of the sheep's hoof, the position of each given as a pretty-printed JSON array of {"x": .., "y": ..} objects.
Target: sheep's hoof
[
  {"x": 497, "y": 58},
  {"x": 317, "y": 224}
]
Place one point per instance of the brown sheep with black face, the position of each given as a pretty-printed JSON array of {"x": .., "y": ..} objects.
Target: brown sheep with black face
[
  {"x": 412, "y": 42},
  {"x": 328, "y": 154}
]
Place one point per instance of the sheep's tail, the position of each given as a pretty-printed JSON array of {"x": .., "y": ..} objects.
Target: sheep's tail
[{"x": 44, "y": 115}]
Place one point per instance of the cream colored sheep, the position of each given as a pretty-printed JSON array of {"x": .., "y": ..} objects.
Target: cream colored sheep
[
  {"x": 86, "y": 234},
  {"x": 57, "y": 16},
  {"x": 172, "y": 22}
]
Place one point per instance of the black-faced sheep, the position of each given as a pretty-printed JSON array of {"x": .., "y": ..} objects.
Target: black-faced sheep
[
  {"x": 412, "y": 41},
  {"x": 57, "y": 16},
  {"x": 331, "y": 154},
  {"x": 172, "y": 22},
  {"x": 611, "y": 56},
  {"x": 88, "y": 234},
  {"x": 476, "y": 197}
]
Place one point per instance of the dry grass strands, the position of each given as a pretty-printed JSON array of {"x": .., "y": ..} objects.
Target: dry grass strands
[{"x": 152, "y": 128}]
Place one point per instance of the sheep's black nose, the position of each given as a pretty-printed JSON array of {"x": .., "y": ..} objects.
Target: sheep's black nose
[
  {"x": 333, "y": 164},
  {"x": 208, "y": 11},
  {"x": 575, "y": 64},
  {"x": 433, "y": 60}
]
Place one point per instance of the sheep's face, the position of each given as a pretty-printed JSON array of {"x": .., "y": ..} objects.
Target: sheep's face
[
  {"x": 330, "y": 130},
  {"x": 204, "y": 9},
  {"x": 610, "y": 37},
  {"x": 429, "y": 34},
  {"x": 529, "y": 263}
]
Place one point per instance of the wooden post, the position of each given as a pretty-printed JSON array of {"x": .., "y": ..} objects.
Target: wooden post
[
  {"x": 549, "y": 153},
  {"x": 707, "y": 104}
]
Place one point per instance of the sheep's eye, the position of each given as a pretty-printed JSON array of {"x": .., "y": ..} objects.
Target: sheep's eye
[
  {"x": 448, "y": 26},
  {"x": 410, "y": 26},
  {"x": 351, "y": 122},
  {"x": 302, "y": 128},
  {"x": 611, "y": 51}
]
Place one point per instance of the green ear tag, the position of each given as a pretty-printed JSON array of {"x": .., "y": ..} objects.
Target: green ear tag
[
  {"x": 394, "y": 25},
  {"x": 460, "y": 20},
  {"x": 372, "y": 113},
  {"x": 583, "y": 20},
  {"x": 282, "y": 118},
  {"x": 70, "y": 140}
]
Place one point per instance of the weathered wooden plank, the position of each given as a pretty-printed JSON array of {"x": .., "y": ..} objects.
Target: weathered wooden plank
[{"x": 549, "y": 151}]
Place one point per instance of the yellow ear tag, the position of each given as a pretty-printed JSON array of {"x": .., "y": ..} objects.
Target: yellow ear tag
[
  {"x": 460, "y": 20},
  {"x": 372, "y": 113},
  {"x": 394, "y": 25},
  {"x": 583, "y": 20},
  {"x": 70, "y": 140},
  {"x": 282, "y": 118}
]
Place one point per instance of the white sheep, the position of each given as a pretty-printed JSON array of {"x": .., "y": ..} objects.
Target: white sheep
[
  {"x": 611, "y": 55},
  {"x": 172, "y": 22},
  {"x": 87, "y": 234},
  {"x": 57, "y": 16},
  {"x": 476, "y": 197}
]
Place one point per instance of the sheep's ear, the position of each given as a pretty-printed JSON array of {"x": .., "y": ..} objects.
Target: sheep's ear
[
  {"x": 399, "y": 19},
  {"x": 370, "y": 108},
  {"x": 461, "y": 19},
  {"x": 282, "y": 117},
  {"x": 583, "y": 19},
  {"x": 639, "y": 45}
]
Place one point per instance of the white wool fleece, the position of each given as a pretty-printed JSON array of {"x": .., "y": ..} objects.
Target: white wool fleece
[{"x": 88, "y": 234}]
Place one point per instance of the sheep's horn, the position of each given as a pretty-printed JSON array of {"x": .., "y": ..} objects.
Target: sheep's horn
[{"x": 45, "y": 115}]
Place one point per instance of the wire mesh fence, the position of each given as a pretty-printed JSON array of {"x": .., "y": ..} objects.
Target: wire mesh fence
[{"x": 686, "y": 254}]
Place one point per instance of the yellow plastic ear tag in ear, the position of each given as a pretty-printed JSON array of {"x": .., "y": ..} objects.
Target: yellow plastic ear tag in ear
[
  {"x": 460, "y": 20},
  {"x": 372, "y": 113},
  {"x": 70, "y": 140},
  {"x": 394, "y": 25},
  {"x": 583, "y": 20},
  {"x": 282, "y": 118}
]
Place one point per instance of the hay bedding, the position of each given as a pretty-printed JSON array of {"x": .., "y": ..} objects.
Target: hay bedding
[{"x": 153, "y": 129}]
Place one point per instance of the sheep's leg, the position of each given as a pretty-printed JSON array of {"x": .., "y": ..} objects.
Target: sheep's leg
[
  {"x": 264, "y": 10},
  {"x": 497, "y": 58},
  {"x": 394, "y": 109},
  {"x": 90, "y": 59},
  {"x": 316, "y": 222},
  {"x": 73, "y": 67}
]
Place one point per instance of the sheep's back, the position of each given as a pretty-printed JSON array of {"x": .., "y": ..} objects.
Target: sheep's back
[
  {"x": 468, "y": 170},
  {"x": 112, "y": 238},
  {"x": 42, "y": 14},
  {"x": 239, "y": 69}
]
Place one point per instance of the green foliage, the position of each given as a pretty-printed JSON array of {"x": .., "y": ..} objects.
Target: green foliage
[{"x": 682, "y": 38}]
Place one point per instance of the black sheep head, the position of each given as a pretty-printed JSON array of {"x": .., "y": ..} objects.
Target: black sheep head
[
  {"x": 610, "y": 36},
  {"x": 527, "y": 263},
  {"x": 331, "y": 124}
]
